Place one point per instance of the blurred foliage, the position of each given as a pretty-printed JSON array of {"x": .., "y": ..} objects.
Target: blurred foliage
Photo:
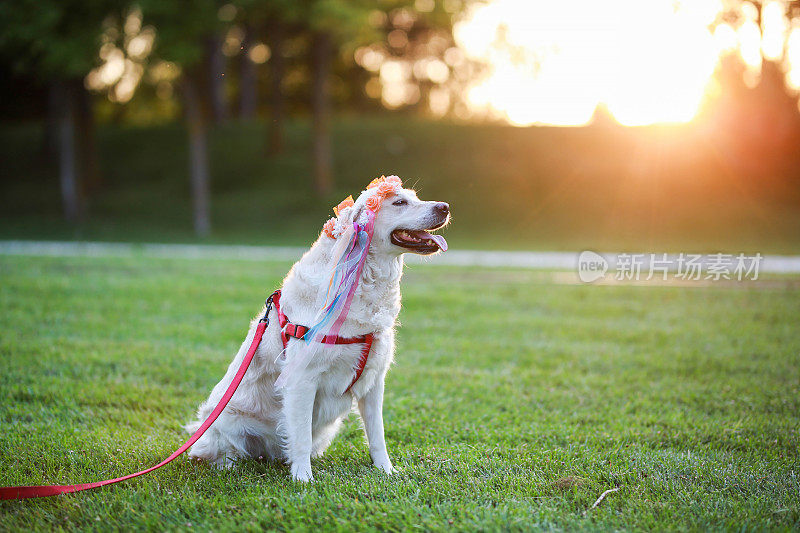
[
  {"x": 659, "y": 189},
  {"x": 55, "y": 39},
  {"x": 745, "y": 139},
  {"x": 49, "y": 40},
  {"x": 181, "y": 25}
]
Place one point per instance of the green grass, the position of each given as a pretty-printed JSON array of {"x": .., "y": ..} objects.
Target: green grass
[
  {"x": 602, "y": 188},
  {"x": 514, "y": 403}
]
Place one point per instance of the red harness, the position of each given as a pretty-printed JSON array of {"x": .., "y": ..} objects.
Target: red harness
[
  {"x": 287, "y": 330},
  {"x": 297, "y": 331}
]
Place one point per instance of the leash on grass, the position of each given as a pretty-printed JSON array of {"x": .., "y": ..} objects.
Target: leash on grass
[
  {"x": 38, "y": 491},
  {"x": 288, "y": 329}
]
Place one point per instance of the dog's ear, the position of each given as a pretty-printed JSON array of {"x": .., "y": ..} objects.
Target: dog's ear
[
  {"x": 357, "y": 210},
  {"x": 350, "y": 214}
]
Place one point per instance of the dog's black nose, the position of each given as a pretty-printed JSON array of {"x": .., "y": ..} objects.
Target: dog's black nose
[{"x": 442, "y": 208}]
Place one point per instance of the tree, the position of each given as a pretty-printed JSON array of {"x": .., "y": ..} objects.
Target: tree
[
  {"x": 275, "y": 18},
  {"x": 342, "y": 26},
  {"x": 184, "y": 27},
  {"x": 755, "y": 112},
  {"x": 331, "y": 22},
  {"x": 248, "y": 77},
  {"x": 215, "y": 60},
  {"x": 57, "y": 41},
  {"x": 320, "y": 110},
  {"x": 276, "y": 32}
]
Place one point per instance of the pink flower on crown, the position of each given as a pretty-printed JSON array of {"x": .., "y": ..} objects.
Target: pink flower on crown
[
  {"x": 394, "y": 180},
  {"x": 347, "y": 202},
  {"x": 386, "y": 189},
  {"x": 374, "y": 203},
  {"x": 376, "y": 182},
  {"x": 328, "y": 228}
]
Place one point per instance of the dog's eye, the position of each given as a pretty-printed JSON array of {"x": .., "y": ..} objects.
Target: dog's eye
[{"x": 399, "y": 202}]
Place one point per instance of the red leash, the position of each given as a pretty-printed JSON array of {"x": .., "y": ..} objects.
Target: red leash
[
  {"x": 37, "y": 491},
  {"x": 287, "y": 330}
]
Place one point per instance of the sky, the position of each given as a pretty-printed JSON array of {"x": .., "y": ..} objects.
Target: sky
[{"x": 645, "y": 61}]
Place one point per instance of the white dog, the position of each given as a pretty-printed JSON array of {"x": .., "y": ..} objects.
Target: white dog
[{"x": 299, "y": 421}]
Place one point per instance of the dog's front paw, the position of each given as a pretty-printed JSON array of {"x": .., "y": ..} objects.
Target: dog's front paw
[
  {"x": 301, "y": 471},
  {"x": 386, "y": 466},
  {"x": 224, "y": 463}
]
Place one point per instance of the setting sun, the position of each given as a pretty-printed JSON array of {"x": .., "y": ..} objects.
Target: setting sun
[{"x": 645, "y": 62}]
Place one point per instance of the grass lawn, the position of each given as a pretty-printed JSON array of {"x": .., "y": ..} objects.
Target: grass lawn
[
  {"x": 514, "y": 403},
  {"x": 598, "y": 188}
]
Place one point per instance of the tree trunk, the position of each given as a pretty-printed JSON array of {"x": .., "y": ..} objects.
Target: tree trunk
[
  {"x": 51, "y": 122},
  {"x": 277, "y": 100},
  {"x": 248, "y": 79},
  {"x": 216, "y": 79},
  {"x": 67, "y": 153},
  {"x": 320, "y": 107},
  {"x": 198, "y": 155},
  {"x": 88, "y": 161}
]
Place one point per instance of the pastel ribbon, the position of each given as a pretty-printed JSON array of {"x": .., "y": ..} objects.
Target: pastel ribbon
[{"x": 338, "y": 298}]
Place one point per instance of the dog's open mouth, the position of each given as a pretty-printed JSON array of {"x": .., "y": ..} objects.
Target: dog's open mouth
[{"x": 418, "y": 241}]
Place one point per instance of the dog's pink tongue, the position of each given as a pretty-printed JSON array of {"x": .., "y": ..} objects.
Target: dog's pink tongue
[{"x": 438, "y": 239}]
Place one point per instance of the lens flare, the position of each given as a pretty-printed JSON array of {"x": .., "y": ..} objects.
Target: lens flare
[{"x": 556, "y": 62}]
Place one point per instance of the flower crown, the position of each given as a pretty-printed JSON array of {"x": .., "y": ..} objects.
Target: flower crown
[{"x": 381, "y": 188}]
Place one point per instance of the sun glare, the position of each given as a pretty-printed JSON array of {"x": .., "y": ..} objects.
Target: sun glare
[{"x": 555, "y": 62}]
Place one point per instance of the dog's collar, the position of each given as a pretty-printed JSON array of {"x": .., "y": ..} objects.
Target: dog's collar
[{"x": 290, "y": 330}]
